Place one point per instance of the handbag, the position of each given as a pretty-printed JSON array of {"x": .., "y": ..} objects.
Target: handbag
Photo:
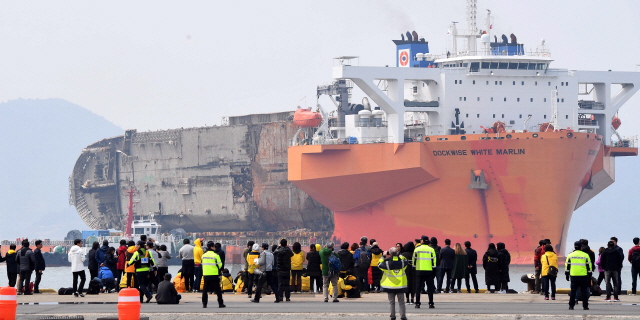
[{"x": 553, "y": 271}]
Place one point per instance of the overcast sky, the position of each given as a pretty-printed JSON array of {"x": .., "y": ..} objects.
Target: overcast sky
[{"x": 159, "y": 65}]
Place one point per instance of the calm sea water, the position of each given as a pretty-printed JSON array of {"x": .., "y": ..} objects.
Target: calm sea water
[{"x": 58, "y": 277}]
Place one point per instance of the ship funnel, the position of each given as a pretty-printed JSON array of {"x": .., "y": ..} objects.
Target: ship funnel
[
  {"x": 409, "y": 37},
  {"x": 366, "y": 104},
  {"x": 415, "y": 35}
]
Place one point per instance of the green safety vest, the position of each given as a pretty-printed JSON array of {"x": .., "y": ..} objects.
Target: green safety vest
[
  {"x": 424, "y": 258},
  {"x": 394, "y": 279},
  {"x": 142, "y": 263},
  {"x": 211, "y": 264},
  {"x": 578, "y": 263}
]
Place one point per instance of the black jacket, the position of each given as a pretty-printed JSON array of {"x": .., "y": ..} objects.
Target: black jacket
[
  {"x": 313, "y": 264},
  {"x": 91, "y": 256},
  {"x": 40, "y": 264},
  {"x": 346, "y": 259},
  {"x": 473, "y": 258},
  {"x": 491, "y": 266},
  {"x": 12, "y": 265},
  {"x": 447, "y": 256},
  {"x": 220, "y": 254},
  {"x": 610, "y": 260},
  {"x": 111, "y": 262},
  {"x": 504, "y": 259},
  {"x": 621, "y": 254},
  {"x": 167, "y": 293},
  {"x": 283, "y": 258}
]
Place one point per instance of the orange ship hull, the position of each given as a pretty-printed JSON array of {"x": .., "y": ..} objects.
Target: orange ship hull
[{"x": 398, "y": 192}]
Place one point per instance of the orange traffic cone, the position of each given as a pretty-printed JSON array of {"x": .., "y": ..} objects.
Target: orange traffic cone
[
  {"x": 129, "y": 304},
  {"x": 8, "y": 303}
]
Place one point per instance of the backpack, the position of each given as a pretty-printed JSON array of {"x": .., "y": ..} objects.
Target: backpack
[
  {"x": 364, "y": 260},
  {"x": 635, "y": 259},
  {"x": 94, "y": 287},
  {"x": 334, "y": 264},
  {"x": 65, "y": 291}
]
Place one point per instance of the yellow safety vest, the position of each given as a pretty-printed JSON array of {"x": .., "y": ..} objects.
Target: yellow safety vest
[
  {"x": 579, "y": 263},
  {"x": 424, "y": 258},
  {"x": 394, "y": 279},
  {"x": 142, "y": 263},
  {"x": 211, "y": 264}
]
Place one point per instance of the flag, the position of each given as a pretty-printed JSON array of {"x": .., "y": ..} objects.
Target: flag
[{"x": 491, "y": 26}]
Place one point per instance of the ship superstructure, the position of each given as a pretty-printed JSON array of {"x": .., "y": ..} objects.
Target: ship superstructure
[{"x": 487, "y": 142}]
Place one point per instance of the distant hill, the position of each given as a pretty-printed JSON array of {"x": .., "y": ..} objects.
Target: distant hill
[{"x": 41, "y": 140}]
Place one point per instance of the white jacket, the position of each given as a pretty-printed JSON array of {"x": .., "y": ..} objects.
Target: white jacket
[{"x": 76, "y": 257}]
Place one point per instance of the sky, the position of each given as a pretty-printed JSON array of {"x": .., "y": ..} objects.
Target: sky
[{"x": 154, "y": 65}]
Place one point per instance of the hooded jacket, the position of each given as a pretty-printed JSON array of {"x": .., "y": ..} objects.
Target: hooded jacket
[
  {"x": 631, "y": 251},
  {"x": 111, "y": 262},
  {"x": 611, "y": 260},
  {"x": 130, "y": 251},
  {"x": 220, "y": 254},
  {"x": 325, "y": 253},
  {"x": 76, "y": 257},
  {"x": 265, "y": 261},
  {"x": 436, "y": 247},
  {"x": 592, "y": 255},
  {"x": 101, "y": 253},
  {"x": 105, "y": 273},
  {"x": 12, "y": 265},
  {"x": 491, "y": 265},
  {"x": 91, "y": 255},
  {"x": 504, "y": 259},
  {"x": 25, "y": 259},
  {"x": 346, "y": 259},
  {"x": 122, "y": 257},
  {"x": 297, "y": 260},
  {"x": 283, "y": 260},
  {"x": 197, "y": 252},
  {"x": 313, "y": 264},
  {"x": 376, "y": 254}
]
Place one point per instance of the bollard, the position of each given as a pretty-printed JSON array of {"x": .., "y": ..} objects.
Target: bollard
[
  {"x": 8, "y": 303},
  {"x": 129, "y": 304}
]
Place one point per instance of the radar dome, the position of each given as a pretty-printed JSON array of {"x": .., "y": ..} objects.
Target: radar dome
[
  {"x": 485, "y": 38},
  {"x": 542, "y": 42}
]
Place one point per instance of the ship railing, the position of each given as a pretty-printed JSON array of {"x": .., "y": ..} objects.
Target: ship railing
[
  {"x": 590, "y": 105},
  {"x": 465, "y": 53},
  {"x": 587, "y": 122},
  {"x": 371, "y": 124},
  {"x": 626, "y": 142},
  {"x": 304, "y": 242}
]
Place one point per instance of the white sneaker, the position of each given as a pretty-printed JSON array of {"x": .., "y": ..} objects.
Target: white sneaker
[
  {"x": 503, "y": 292},
  {"x": 616, "y": 300},
  {"x": 632, "y": 294}
]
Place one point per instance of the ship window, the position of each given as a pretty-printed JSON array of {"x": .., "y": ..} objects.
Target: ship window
[
  {"x": 138, "y": 231},
  {"x": 487, "y": 82},
  {"x": 456, "y": 81},
  {"x": 523, "y": 83},
  {"x": 496, "y": 82},
  {"x": 514, "y": 83},
  {"x": 491, "y": 98},
  {"x": 512, "y": 122},
  {"x": 464, "y": 65},
  {"x": 474, "y": 82},
  {"x": 558, "y": 100},
  {"x": 545, "y": 116},
  {"x": 465, "y": 98},
  {"x": 460, "y": 98},
  {"x": 542, "y": 66},
  {"x": 531, "y": 100},
  {"x": 485, "y": 65},
  {"x": 494, "y": 115},
  {"x": 518, "y": 99},
  {"x": 460, "y": 82},
  {"x": 505, "y": 99},
  {"x": 549, "y": 83},
  {"x": 567, "y": 117},
  {"x": 478, "y": 115},
  {"x": 523, "y": 66},
  {"x": 503, "y": 65},
  {"x": 478, "y": 98},
  {"x": 566, "y": 84},
  {"x": 503, "y": 116},
  {"x": 545, "y": 99},
  {"x": 513, "y": 65},
  {"x": 467, "y": 115},
  {"x": 153, "y": 230},
  {"x": 562, "y": 84},
  {"x": 474, "y": 66},
  {"x": 536, "y": 83},
  {"x": 520, "y": 116},
  {"x": 500, "y": 82},
  {"x": 494, "y": 65},
  {"x": 532, "y": 66},
  {"x": 562, "y": 100}
]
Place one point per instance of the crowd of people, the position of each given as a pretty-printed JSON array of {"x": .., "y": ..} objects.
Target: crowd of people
[{"x": 405, "y": 271}]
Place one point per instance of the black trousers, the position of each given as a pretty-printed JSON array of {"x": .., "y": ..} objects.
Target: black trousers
[
  {"x": 211, "y": 283},
  {"x": 475, "y": 282},
  {"x": 153, "y": 280},
  {"x": 36, "y": 284},
  {"x": 283, "y": 285},
  {"x": 12, "y": 279},
  {"x": 421, "y": 278},
  {"x": 83, "y": 278},
  {"x": 444, "y": 272},
  {"x": 25, "y": 279},
  {"x": 318, "y": 282},
  {"x": 363, "y": 278},
  {"x": 130, "y": 276},
  {"x": 119, "y": 274},
  {"x": 249, "y": 283},
  {"x": 142, "y": 282},
  {"x": 161, "y": 272},
  {"x": 93, "y": 273},
  {"x": 581, "y": 282}
]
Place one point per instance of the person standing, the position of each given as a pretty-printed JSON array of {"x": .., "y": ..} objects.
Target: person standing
[
  {"x": 245, "y": 272},
  {"x": 329, "y": 275},
  {"x": 438, "y": 273},
  {"x": 634, "y": 259},
  {"x": 314, "y": 271},
  {"x": 163, "y": 264},
  {"x": 460, "y": 267},
  {"x": 197, "y": 263},
  {"x": 407, "y": 253},
  {"x": 611, "y": 262},
  {"x": 578, "y": 269},
  {"x": 76, "y": 258},
  {"x": 122, "y": 261},
  {"x": 111, "y": 262},
  {"x": 12, "y": 266},
  {"x": 130, "y": 271},
  {"x": 425, "y": 261},
  {"x": 40, "y": 266},
  {"x": 153, "y": 271},
  {"x": 491, "y": 265},
  {"x": 265, "y": 264},
  {"x": 447, "y": 256},
  {"x": 472, "y": 268},
  {"x": 143, "y": 261},
  {"x": 211, "y": 273},
  {"x": 549, "y": 271},
  {"x": 283, "y": 260},
  {"x": 505, "y": 260},
  {"x": 217, "y": 248},
  {"x": 536, "y": 262},
  {"x": 253, "y": 276},
  {"x": 26, "y": 261},
  {"x": 362, "y": 258},
  {"x": 101, "y": 253},
  {"x": 394, "y": 281},
  {"x": 599, "y": 264},
  {"x": 621, "y": 254},
  {"x": 376, "y": 273},
  {"x": 297, "y": 264},
  {"x": 188, "y": 267},
  {"x": 93, "y": 265},
  {"x": 346, "y": 260}
]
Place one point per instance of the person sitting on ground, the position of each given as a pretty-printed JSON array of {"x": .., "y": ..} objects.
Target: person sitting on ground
[
  {"x": 227, "y": 281},
  {"x": 167, "y": 293},
  {"x": 105, "y": 277},
  {"x": 178, "y": 282}
]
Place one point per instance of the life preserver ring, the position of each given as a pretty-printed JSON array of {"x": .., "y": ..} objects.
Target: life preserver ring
[
  {"x": 339, "y": 141},
  {"x": 404, "y": 58},
  {"x": 509, "y": 136},
  {"x": 427, "y": 139}
]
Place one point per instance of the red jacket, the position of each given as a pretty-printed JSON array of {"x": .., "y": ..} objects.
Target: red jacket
[
  {"x": 631, "y": 251},
  {"x": 536, "y": 257},
  {"x": 122, "y": 257}
]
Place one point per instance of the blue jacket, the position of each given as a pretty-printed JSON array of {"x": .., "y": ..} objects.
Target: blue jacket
[
  {"x": 100, "y": 254},
  {"x": 105, "y": 273}
]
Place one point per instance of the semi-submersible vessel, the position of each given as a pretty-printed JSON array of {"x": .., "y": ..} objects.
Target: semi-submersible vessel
[{"x": 487, "y": 142}]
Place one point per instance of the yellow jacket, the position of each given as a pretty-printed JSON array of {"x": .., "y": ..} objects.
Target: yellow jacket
[
  {"x": 178, "y": 282},
  {"x": 197, "y": 252},
  {"x": 131, "y": 268},
  {"x": 297, "y": 260},
  {"x": 227, "y": 283},
  {"x": 553, "y": 261},
  {"x": 341, "y": 287}
]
